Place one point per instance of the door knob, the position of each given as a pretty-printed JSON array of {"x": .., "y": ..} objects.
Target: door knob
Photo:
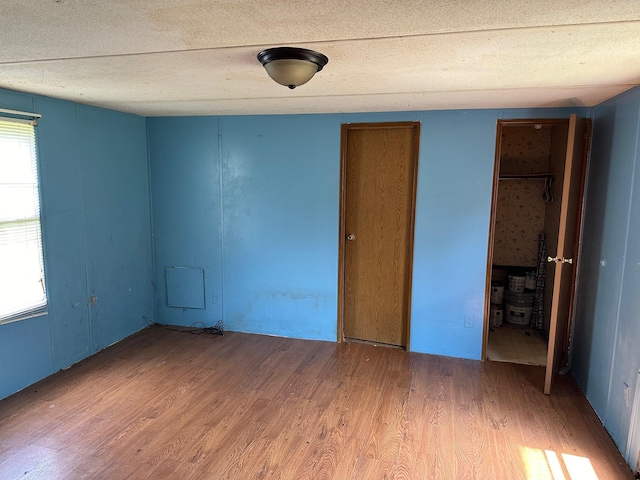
[
  {"x": 351, "y": 236},
  {"x": 559, "y": 260}
]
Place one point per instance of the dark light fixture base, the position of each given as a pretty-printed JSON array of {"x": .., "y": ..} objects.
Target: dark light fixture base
[{"x": 292, "y": 66}]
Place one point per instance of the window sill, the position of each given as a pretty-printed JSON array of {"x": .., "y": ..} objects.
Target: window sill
[{"x": 24, "y": 316}]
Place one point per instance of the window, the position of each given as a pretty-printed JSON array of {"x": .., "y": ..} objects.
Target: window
[{"x": 22, "y": 286}]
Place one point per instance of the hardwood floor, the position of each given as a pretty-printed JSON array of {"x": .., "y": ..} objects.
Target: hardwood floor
[{"x": 164, "y": 404}]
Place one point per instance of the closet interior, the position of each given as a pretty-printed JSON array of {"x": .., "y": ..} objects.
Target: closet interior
[{"x": 530, "y": 165}]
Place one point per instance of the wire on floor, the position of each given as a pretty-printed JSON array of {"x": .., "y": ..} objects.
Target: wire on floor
[{"x": 196, "y": 328}]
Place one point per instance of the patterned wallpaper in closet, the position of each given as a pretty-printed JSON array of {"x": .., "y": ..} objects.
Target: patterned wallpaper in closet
[
  {"x": 520, "y": 212},
  {"x": 519, "y": 220},
  {"x": 525, "y": 150}
]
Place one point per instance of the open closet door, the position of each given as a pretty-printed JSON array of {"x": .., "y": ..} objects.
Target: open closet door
[{"x": 564, "y": 262}]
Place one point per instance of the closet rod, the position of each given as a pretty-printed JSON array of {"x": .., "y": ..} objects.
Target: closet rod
[{"x": 513, "y": 176}]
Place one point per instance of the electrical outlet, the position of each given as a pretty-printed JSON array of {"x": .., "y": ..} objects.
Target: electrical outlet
[
  {"x": 468, "y": 321},
  {"x": 626, "y": 395}
]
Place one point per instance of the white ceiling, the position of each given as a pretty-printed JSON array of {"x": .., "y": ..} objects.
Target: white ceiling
[{"x": 198, "y": 57}]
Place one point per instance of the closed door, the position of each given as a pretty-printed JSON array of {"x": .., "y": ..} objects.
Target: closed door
[
  {"x": 378, "y": 197},
  {"x": 564, "y": 262}
]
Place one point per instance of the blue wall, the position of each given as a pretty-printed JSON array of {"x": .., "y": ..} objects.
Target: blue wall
[
  {"x": 280, "y": 202},
  {"x": 607, "y": 327},
  {"x": 275, "y": 182},
  {"x": 187, "y": 224},
  {"x": 97, "y": 237},
  {"x": 254, "y": 201}
]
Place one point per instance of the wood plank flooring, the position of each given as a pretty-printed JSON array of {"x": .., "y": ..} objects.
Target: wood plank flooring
[{"x": 170, "y": 405}]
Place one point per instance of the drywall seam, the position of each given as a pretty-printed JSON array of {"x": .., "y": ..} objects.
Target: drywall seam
[
  {"x": 84, "y": 237},
  {"x": 222, "y": 227},
  {"x": 151, "y": 230}
]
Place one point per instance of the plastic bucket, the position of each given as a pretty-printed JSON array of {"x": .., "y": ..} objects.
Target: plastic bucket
[
  {"x": 497, "y": 293},
  {"x": 516, "y": 283},
  {"x": 518, "y": 307},
  {"x": 495, "y": 318},
  {"x": 530, "y": 282},
  {"x": 523, "y": 299},
  {"x": 518, "y": 315}
]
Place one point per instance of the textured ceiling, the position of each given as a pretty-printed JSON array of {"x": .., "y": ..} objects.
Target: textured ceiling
[{"x": 181, "y": 57}]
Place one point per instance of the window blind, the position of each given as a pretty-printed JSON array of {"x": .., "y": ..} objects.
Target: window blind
[{"x": 22, "y": 282}]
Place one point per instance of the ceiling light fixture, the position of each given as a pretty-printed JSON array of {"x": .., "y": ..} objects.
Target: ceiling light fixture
[{"x": 291, "y": 66}]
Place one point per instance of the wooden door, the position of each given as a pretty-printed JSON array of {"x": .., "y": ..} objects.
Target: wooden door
[
  {"x": 378, "y": 198},
  {"x": 565, "y": 261}
]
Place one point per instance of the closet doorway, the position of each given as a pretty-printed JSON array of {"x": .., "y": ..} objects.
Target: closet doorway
[{"x": 533, "y": 241}]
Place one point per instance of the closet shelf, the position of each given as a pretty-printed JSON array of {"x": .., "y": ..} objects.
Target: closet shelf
[{"x": 517, "y": 176}]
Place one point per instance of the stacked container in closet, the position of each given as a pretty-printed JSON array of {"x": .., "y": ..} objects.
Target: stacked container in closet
[
  {"x": 513, "y": 304},
  {"x": 497, "y": 297},
  {"x": 496, "y": 311},
  {"x": 519, "y": 297}
]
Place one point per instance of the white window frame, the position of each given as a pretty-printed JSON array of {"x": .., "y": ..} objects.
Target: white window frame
[{"x": 35, "y": 306}]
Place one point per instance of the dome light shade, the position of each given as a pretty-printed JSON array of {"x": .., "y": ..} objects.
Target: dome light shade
[{"x": 291, "y": 66}]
